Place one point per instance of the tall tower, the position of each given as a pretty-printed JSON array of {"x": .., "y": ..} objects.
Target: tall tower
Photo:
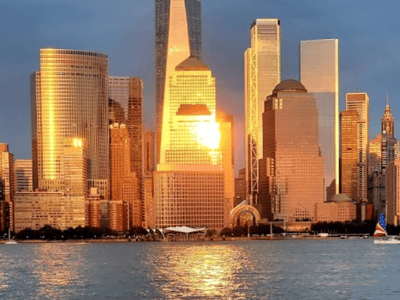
[
  {"x": 319, "y": 72},
  {"x": 292, "y": 169},
  {"x": 7, "y": 188},
  {"x": 23, "y": 175},
  {"x": 349, "y": 153},
  {"x": 388, "y": 121},
  {"x": 194, "y": 183},
  {"x": 359, "y": 102},
  {"x": 178, "y": 36},
  {"x": 69, "y": 99},
  {"x": 262, "y": 67}
]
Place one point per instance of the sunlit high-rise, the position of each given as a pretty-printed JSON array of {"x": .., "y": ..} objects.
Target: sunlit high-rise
[
  {"x": 23, "y": 175},
  {"x": 177, "y": 36},
  {"x": 194, "y": 182},
  {"x": 69, "y": 100},
  {"x": 359, "y": 101},
  {"x": 7, "y": 188},
  {"x": 262, "y": 69},
  {"x": 319, "y": 72}
]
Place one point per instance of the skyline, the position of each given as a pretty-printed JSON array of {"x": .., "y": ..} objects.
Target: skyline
[{"x": 125, "y": 31}]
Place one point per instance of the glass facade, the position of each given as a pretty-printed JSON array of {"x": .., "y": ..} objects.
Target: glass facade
[
  {"x": 69, "y": 99},
  {"x": 23, "y": 175},
  {"x": 262, "y": 74},
  {"x": 359, "y": 102},
  {"x": 349, "y": 154},
  {"x": 177, "y": 36},
  {"x": 319, "y": 72},
  {"x": 291, "y": 171},
  {"x": 7, "y": 188}
]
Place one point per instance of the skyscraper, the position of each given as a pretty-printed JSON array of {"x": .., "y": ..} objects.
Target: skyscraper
[
  {"x": 23, "y": 175},
  {"x": 359, "y": 102},
  {"x": 69, "y": 99},
  {"x": 292, "y": 168},
  {"x": 392, "y": 192},
  {"x": 262, "y": 68},
  {"x": 349, "y": 154},
  {"x": 319, "y": 72},
  {"x": 177, "y": 36},
  {"x": 7, "y": 188},
  {"x": 194, "y": 182}
]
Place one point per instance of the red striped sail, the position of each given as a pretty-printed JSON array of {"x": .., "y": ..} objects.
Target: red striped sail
[{"x": 379, "y": 231}]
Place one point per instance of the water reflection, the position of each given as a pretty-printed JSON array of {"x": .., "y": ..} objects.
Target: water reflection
[
  {"x": 202, "y": 271},
  {"x": 58, "y": 269}
]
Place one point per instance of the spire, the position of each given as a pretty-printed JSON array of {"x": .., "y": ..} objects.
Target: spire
[{"x": 387, "y": 97}]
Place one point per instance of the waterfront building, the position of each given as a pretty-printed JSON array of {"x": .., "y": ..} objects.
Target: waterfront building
[
  {"x": 319, "y": 73},
  {"x": 359, "y": 101},
  {"x": 340, "y": 208},
  {"x": 57, "y": 209},
  {"x": 7, "y": 188},
  {"x": 124, "y": 182},
  {"x": 23, "y": 175},
  {"x": 148, "y": 145},
  {"x": 69, "y": 99},
  {"x": 92, "y": 209},
  {"x": 194, "y": 182},
  {"x": 119, "y": 215},
  {"x": 292, "y": 170},
  {"x": 262, "y": 72},
  {"x": 150, "y": 212},
  {"x": 240, "y": 187},
  {"x": 177, "y": 36},
  {"x": 392, "y": 192},
  {"x": 349, "y": 181},
  {"x": 375, "y": 155}
]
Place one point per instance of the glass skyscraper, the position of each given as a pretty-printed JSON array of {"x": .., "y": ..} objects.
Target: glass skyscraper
[
  {"x": 262, "y": 68},
  {"x": 178, "y": 36},
  {"x": 319, "y": 72},
  {"x": 69, "y": 100}
]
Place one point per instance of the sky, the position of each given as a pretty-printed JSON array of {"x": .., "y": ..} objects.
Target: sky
[{"x": 368, "y": 33}]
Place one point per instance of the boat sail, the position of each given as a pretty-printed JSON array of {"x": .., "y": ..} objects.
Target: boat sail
[{"x": 380, "y": 229}]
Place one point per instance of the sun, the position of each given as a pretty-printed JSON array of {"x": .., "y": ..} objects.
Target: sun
[{"x": 208, "y": 134}]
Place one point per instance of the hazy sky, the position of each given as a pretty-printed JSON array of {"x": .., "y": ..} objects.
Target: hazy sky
[{"x": 368, "y": 33}]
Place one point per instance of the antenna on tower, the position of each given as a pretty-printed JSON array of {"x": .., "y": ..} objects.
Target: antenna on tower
[{"x": 387, "y": 97}]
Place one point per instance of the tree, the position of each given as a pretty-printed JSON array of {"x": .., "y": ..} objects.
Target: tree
[{"x": 226, "y": 232}]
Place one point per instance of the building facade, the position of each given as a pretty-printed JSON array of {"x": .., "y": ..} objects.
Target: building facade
[
  {"x": 262, "y": 68},
  {"x": 291, "y": 171},
  {"x": 36, "y": 209},
  {"x": 359, "y": 101},
  {"x": 194, "y": 182},
  {"x": 319, "y": 72},
  {"x": 23, "y": 175},
  {"x": 339, "y": 208},
  {"x": 177, "y": 36},
  {"x": 392, "y": 193},
  {"x": 349, "y": 181},
  {"x": 7, "y": 188},
  {"x": 69, "y": 99},
  {"x": 240, "y": 188}
]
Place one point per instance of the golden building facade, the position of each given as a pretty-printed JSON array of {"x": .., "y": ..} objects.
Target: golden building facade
[
  {"x": 349, "y": 153},
  {"x": 339, "y": 209},
  {"x": 7, "y": 188},
  {"x": 177, "y": 36},
  {"x": 69, "y": 99},
  {"x": 392, "y": 192},
  {"x": 194, "y": 183},
  {"x": 319, "y": 72},
  {"x": 92, "y": 209},
  {"x": 291, "y": 171},
  {"x": 37, "y": 209},
  {"x": 359, "y": 101},
  {"x": 262, "y": 68}
]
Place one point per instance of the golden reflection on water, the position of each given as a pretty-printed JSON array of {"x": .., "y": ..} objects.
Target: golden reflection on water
[
  {"x": 202, "y": 271},
  {"x": 58, "y": 268}
]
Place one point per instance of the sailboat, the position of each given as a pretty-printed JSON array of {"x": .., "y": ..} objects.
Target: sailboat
[
  {"x": 10, "y": 241},
  {"x": 380, "y": 231}
]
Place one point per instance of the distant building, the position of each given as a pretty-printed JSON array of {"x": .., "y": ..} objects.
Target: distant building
[
  {"x": 37, "y": 209},
  {"x": 292, "y": 170},
  {"x": 339, "y": 208},
  {"x": 7, "y": 188},
  {"x": 23, "y": 175},
  {"x": 319, "y": 72},
  {"x": 240, "y": 187},
  {"x": 194, "y": 182},
  {"x": 392, "y": 193},
  {"x": 262, "y": 72},
  {"x": 359, "y": 101},
  {"x": 92, "y": 209},
  {"x": 349, "y": 181}
]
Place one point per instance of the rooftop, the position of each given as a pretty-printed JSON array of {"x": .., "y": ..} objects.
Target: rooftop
[
  {"x": 192, "y": 64},
  {"x": 290, "y": 85}
]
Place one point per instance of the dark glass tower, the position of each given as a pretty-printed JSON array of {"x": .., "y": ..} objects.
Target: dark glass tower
[{"x": 173, "y": 17}]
